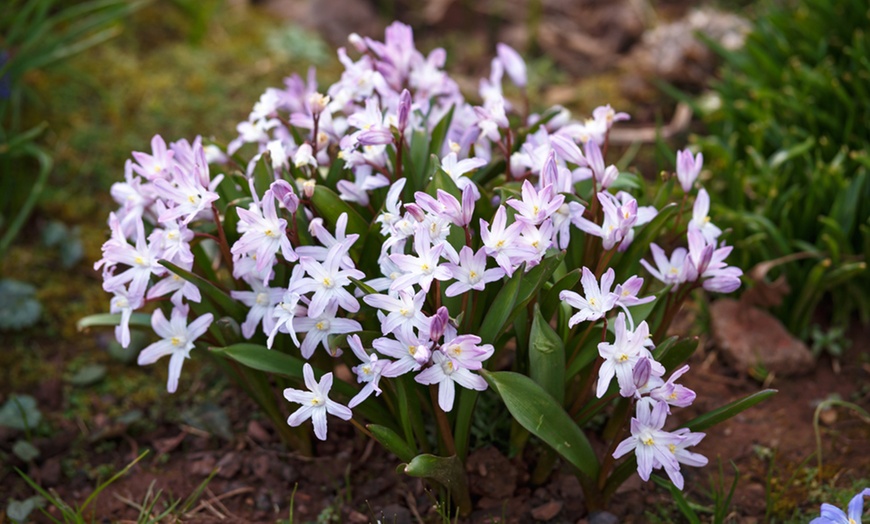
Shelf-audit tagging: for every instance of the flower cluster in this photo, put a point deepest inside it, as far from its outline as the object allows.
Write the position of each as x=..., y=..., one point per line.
x=351, y=226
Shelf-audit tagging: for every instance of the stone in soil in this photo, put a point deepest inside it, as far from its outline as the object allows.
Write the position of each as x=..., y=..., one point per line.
x=750, y=337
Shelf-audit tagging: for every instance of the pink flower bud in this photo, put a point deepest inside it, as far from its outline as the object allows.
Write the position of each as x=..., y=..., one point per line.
x=415, y=211
x=513, y=63
x=404, y=109
x=438, y=324
x=283, y=191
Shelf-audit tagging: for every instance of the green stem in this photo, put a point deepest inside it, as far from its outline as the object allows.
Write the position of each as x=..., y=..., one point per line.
x=45, y=164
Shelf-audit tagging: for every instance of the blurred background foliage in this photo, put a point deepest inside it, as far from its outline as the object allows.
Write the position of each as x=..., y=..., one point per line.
x=789, y=151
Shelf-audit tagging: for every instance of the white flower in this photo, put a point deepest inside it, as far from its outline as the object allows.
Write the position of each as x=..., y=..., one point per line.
x=471, y=272
x=597, y=300
x=262, y=300
x=444, y=372
x=621, y=356
x=315, y=402
x=701, y=218
x=369, y=371
x=177, y=340
x=404, y=312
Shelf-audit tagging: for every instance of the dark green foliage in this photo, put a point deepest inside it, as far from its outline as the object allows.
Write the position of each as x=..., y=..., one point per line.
x=789, y=153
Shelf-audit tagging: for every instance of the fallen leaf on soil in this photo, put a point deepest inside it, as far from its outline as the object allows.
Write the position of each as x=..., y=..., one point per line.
x=166, y=445
x=229, y=465
x=547, y=511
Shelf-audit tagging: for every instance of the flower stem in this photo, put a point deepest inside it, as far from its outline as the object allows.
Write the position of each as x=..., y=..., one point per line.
x=224, y=245
x=443, y=424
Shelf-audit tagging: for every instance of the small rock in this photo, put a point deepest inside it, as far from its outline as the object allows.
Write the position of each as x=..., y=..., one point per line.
x=229, y=465
x=828, y=416
x=603, y=517
x=547, y=511
x=263, y=501
x=355, y=517
x=750, y=337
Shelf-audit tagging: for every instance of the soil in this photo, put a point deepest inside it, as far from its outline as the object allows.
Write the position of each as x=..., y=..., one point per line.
x=352, y=480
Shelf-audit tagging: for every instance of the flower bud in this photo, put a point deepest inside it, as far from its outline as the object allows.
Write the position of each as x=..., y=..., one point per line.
x=308, y=187
x=357, y=42
x=513, y=63
x=641, y=373
x=438, y=323
x=415, y=211
x=278, y=154
x=404, y=109
x=283, y=191
x=317, y=103
x=422, y=354
x=304, y=156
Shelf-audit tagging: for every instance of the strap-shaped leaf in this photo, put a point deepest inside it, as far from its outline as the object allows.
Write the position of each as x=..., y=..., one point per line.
x=539, y=413
x=270, y=361
x=547, y=358
x=676, y=352
x=229, y=306
x=448, y=471
x=392, y=441
x=534, y=280
x=330, y=207
x=728, y=410
x=113, y=319
x=501, y=308
x=439, y=133
x=550, y=299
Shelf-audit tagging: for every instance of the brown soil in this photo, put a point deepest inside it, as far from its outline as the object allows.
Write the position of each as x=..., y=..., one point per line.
x=355, y=481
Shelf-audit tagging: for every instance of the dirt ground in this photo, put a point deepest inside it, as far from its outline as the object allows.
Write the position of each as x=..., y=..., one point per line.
x=352, y=480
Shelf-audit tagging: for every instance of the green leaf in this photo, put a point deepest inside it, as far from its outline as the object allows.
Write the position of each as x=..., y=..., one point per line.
x=500, y=309
x=18, y=511
x=88, y=375
x=539, y=413
x=142, y=320
x=229, y=306
x=25, y=450
x=728, y=410
x=679, y=499
x=20, y=412
x=393, y=442
x=447, y=471
x=535, y=279
x=547, y=358
x=19, y=306
x=439, y=133
x=272, y=361
x=675, y=352
x=550, y=299
x=329, y=206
